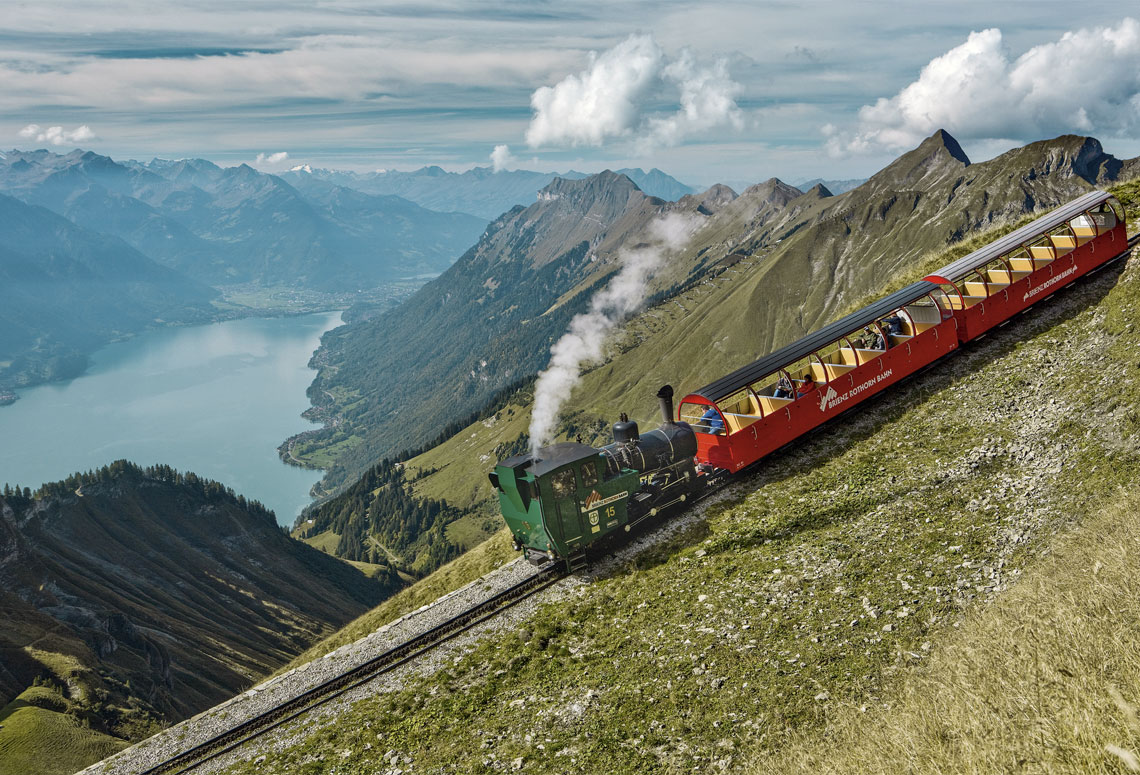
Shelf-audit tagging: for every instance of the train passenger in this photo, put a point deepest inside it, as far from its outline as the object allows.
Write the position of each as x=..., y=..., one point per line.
x=783, y=387
x=711, y=422
x=893, y=324
x=874, y=339
x=806, y=386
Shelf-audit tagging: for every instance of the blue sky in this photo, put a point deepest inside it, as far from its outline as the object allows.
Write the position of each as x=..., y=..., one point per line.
x=708, y=92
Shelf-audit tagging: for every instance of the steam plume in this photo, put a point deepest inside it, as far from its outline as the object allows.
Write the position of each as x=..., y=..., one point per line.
x=609, y=307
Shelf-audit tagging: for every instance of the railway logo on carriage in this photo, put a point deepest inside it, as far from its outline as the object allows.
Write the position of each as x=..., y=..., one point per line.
x=827, y=397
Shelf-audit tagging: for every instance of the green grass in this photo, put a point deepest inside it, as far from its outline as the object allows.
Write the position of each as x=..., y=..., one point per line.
x=829, y=577
x=1044, y=681
x=463, y=570
x=314, y=454
x=326, y=541
x=39, y=737
x=471, y=530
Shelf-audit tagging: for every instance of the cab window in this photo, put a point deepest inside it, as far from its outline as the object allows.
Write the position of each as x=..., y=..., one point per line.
x=563, y=483
x=589, y=475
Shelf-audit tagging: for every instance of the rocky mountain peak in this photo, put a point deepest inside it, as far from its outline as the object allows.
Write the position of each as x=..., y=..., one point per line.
x=938, y=156
x=606, y=184
x=818, y=191
x=772, y=191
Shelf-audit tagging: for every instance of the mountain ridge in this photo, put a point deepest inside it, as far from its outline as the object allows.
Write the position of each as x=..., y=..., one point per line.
x=480, y=191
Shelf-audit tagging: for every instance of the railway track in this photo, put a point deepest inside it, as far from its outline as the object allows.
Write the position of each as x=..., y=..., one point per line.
x=395, y=657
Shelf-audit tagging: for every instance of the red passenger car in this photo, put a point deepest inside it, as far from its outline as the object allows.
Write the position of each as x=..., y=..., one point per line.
x=993, y=284
x=759, y=408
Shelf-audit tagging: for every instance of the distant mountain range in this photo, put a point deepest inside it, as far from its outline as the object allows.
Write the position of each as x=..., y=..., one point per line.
x=834, y=186
x=238, y=225
x=92, y=249
x=488, y=321
x=480, y=191
x=66, y=290
x=133, y=598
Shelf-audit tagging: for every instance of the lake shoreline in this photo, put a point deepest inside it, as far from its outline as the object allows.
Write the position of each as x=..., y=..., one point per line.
x=214, y=399
x=238, y=302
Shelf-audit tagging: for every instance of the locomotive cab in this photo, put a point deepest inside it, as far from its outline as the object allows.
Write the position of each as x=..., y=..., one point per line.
x=562, y=499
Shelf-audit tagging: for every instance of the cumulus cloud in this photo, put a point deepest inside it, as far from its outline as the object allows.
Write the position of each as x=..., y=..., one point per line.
x=584, y=341
x=501, y=157
x=273, y=158
x=1086, y=82
x=57, y=135
x=609, y=99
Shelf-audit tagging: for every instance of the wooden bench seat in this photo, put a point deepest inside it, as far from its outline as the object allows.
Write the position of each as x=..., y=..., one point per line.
x=772, y=404
x=738, y=422
x=864, y=355
x=1025, y=264
x=1008, y=278
x=837, y=370
x=980, y=288
x=965, y=301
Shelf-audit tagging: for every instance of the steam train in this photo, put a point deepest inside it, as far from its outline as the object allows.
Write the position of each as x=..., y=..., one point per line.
x=569, y=497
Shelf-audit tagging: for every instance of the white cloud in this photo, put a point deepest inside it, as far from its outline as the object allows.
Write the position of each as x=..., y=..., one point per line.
x=708, y=99
x=57, y=135
x=1086, y=82
x=501, y=157
x=609, y=99
x=272, y=158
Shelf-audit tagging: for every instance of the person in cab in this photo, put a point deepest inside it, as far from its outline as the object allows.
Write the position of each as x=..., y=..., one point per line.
x=710, y=421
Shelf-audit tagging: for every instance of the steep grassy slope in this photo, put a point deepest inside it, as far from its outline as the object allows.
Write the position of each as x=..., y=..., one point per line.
x=1045, y=680
x=664, y=345
x=143, y=596
x=816, y=585
x=41, y=732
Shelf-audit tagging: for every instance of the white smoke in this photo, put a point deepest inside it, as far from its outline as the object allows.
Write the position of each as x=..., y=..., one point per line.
x=584, y=341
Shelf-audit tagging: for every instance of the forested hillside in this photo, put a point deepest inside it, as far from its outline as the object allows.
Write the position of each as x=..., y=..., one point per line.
x=133, y=598
x=394, y=381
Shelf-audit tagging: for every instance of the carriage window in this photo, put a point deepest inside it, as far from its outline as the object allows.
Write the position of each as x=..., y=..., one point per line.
x=589, y=475
x=563, y=483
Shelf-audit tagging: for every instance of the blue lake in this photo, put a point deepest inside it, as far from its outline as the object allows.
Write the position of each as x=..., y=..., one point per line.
x=214, y=399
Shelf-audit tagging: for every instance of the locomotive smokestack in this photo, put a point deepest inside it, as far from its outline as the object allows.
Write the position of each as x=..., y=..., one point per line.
x=665, y=396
